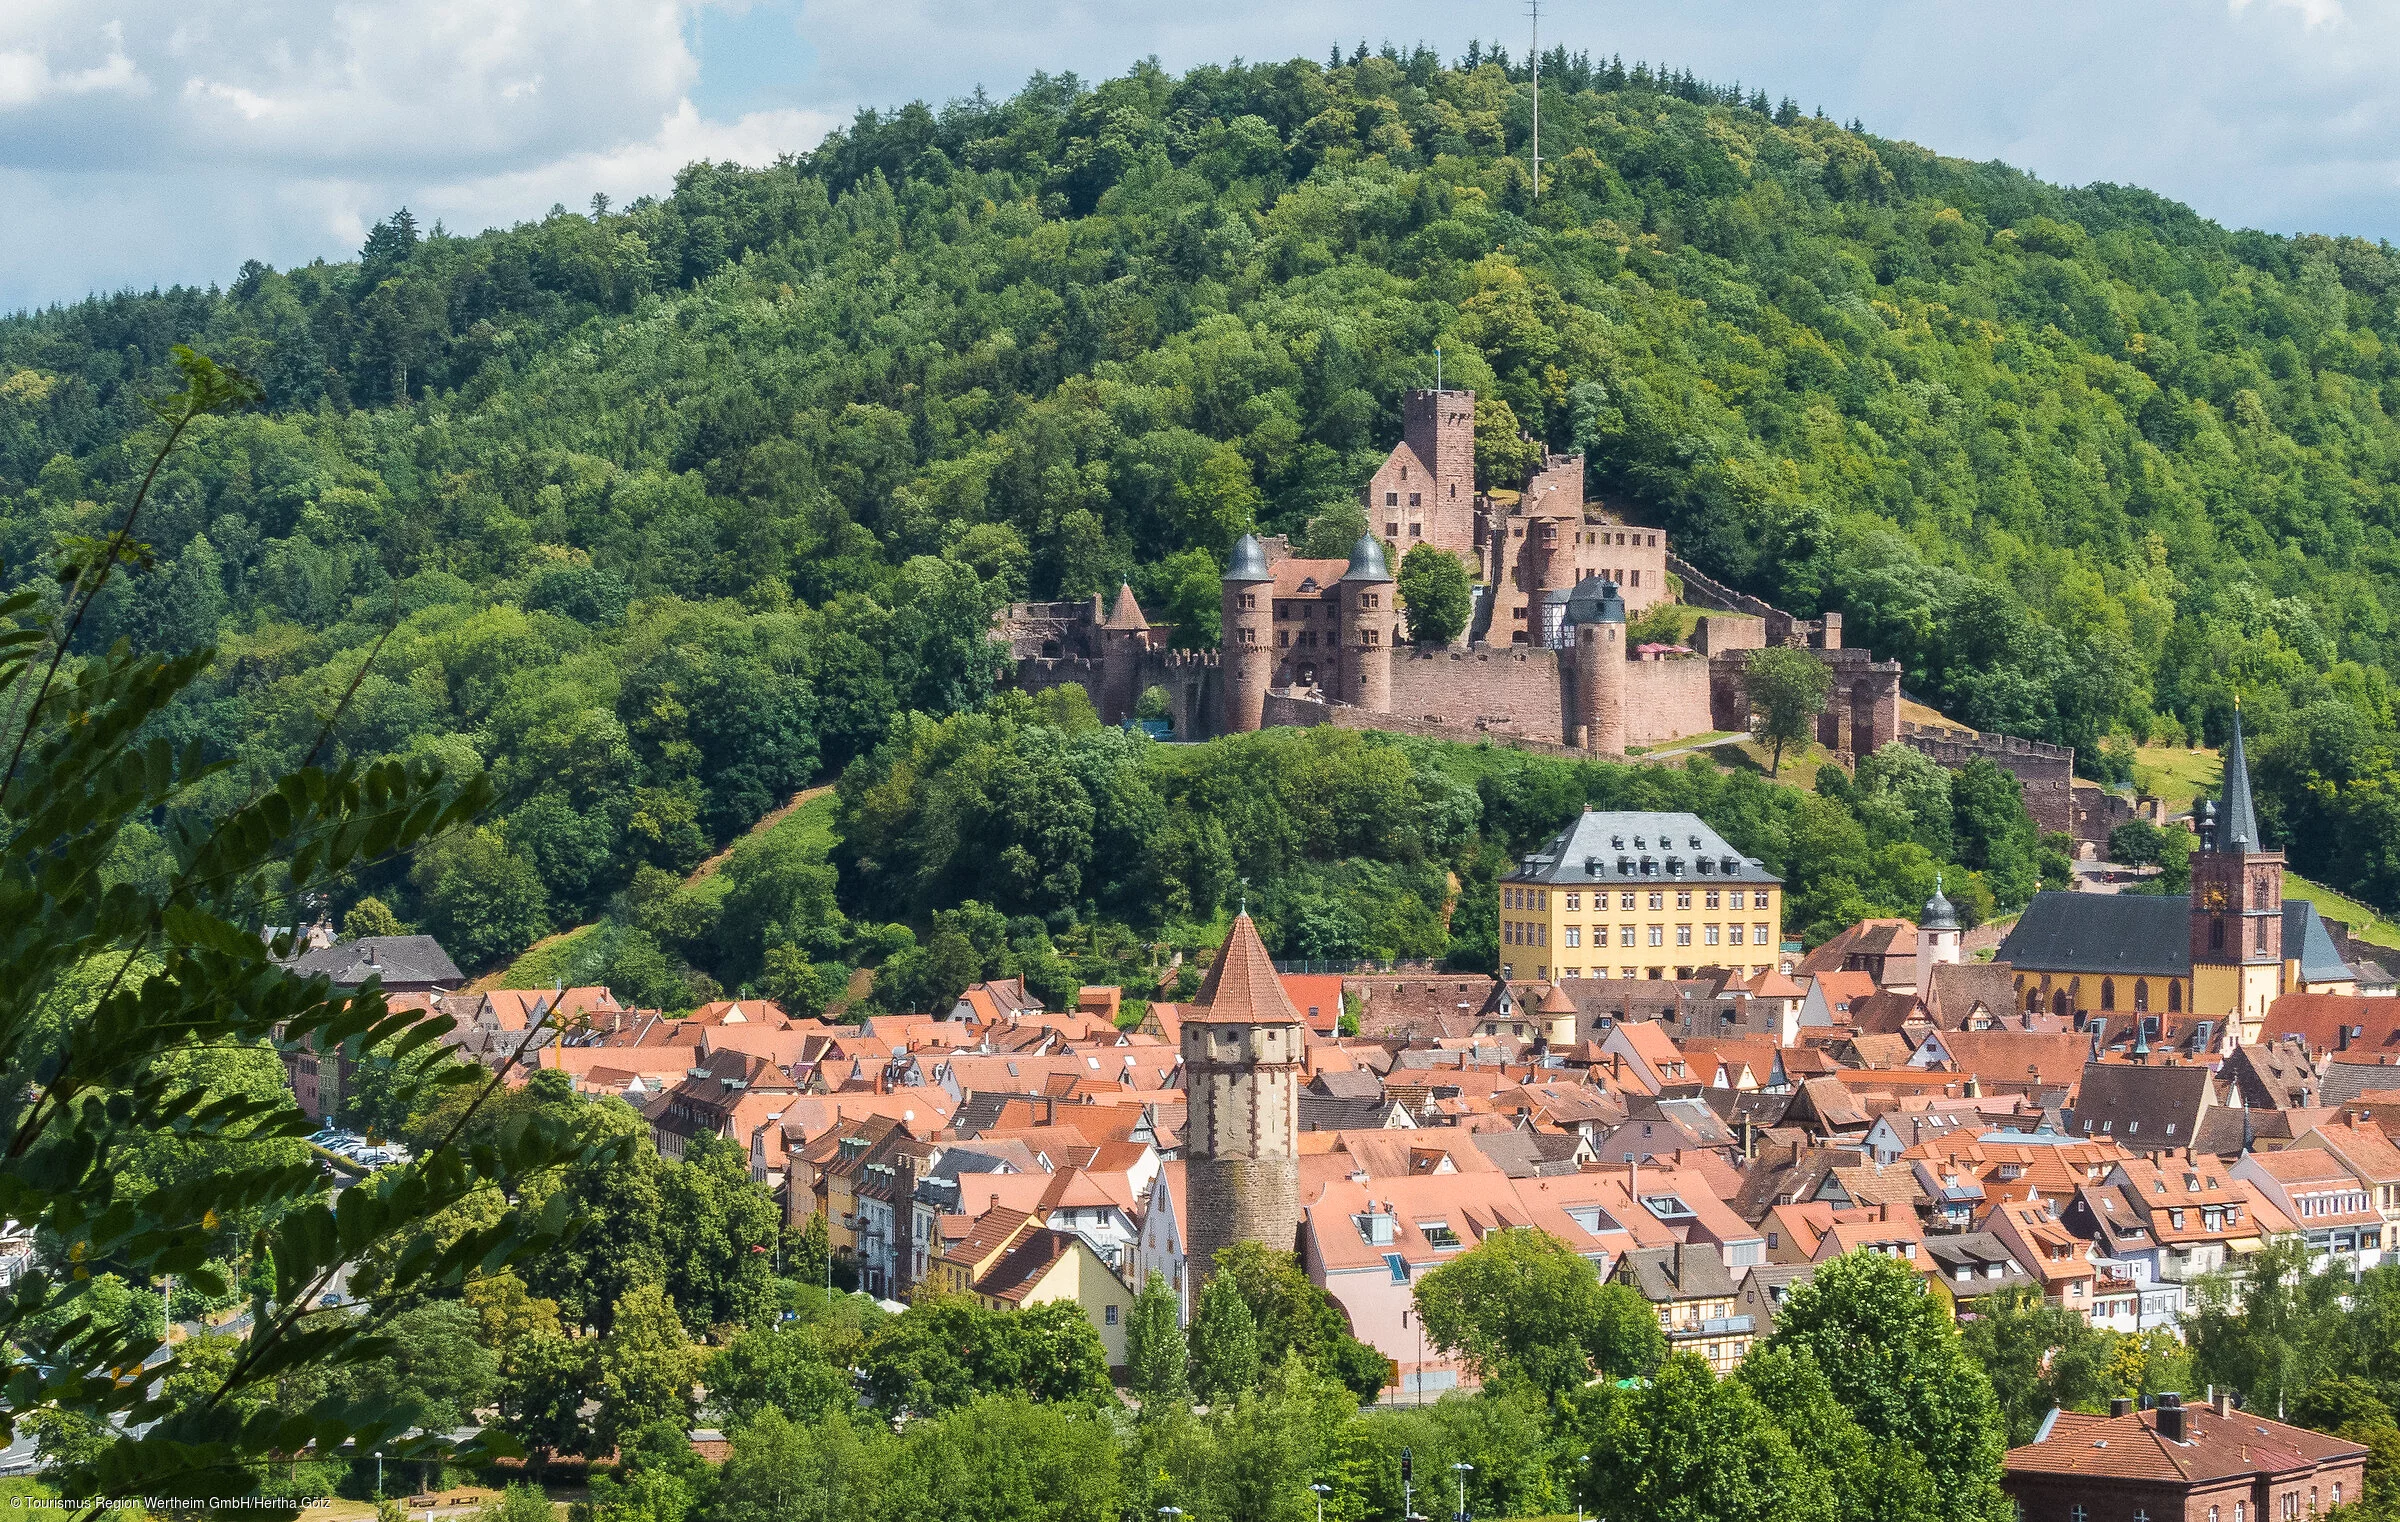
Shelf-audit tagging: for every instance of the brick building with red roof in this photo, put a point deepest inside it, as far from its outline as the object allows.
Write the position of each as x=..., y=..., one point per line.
x=2180, y=1463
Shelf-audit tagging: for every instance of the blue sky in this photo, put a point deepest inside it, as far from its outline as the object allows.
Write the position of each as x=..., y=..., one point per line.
x=147, y=141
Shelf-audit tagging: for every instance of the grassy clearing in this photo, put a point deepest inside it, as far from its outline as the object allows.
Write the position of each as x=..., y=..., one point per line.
x=2176, y=775
x=541, y=965
x=2365, y=923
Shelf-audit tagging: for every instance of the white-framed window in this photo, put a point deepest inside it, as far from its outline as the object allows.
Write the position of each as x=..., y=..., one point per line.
x=1683, y=935
x=1708, y=933
x=1625, y=938
x=1658, y=935
x=1574, y=935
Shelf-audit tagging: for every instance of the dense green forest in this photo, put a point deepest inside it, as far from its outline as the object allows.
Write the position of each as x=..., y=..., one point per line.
x=662, y=512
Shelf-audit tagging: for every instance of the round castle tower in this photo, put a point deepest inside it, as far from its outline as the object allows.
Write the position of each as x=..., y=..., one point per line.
x=1596, y=628
x=1249, y=619
x=1242, y=1047
x=1367, y=629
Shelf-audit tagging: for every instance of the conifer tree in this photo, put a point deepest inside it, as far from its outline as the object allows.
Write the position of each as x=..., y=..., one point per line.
x=1224, y=1341
x=1155, y=1352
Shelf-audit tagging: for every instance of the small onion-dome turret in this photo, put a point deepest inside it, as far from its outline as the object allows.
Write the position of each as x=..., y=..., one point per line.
x=1939, y=914
x=1249, y=561
x=1367, y=562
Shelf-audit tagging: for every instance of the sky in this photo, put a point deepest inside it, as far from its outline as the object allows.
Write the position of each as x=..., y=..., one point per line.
x=145, y=142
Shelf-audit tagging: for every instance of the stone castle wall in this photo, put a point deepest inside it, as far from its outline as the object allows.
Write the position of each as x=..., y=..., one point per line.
x=2047, y=772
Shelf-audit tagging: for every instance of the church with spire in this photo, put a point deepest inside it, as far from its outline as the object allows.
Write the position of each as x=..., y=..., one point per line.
x=2217, y=956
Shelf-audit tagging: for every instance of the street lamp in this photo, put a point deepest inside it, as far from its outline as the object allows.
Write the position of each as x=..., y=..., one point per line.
x=1462, y=1469
x=1170, y=1511
x=378, y=1474
x=1321, y=1488
x=1580, y=1459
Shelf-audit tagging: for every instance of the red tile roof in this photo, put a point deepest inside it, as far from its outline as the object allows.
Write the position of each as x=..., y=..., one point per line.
x=1243, y=986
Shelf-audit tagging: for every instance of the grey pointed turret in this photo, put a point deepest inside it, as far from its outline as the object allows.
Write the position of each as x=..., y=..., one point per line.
x=1249, y=561
x=1367, y=561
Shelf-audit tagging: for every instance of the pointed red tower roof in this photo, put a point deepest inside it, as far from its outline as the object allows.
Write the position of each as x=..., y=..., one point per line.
x=1127, y=614
x=1243, y=986
x=1556, y=1002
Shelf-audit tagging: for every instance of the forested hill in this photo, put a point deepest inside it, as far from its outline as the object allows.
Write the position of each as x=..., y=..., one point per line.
x=677, y=504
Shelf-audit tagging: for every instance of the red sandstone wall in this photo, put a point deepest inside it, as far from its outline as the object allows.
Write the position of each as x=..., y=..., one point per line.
x=1469, y=689
x=1666, y=700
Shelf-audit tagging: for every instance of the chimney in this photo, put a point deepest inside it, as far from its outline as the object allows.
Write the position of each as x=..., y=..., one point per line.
x=2223, y=1404
x=1633, y=1176
x=2170, y=1416
x=2121, y=1406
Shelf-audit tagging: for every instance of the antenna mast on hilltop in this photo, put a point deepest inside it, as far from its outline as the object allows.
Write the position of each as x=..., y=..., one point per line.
x=1535, y=10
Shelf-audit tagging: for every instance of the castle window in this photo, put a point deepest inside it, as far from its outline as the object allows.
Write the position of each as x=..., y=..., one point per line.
x=2174, y=998
x=2141, y=994
x=2108, y=993
x=1391, y=499
x=2262, y=935
x=1248, y=600
x=2216, y=933
x=1637, y=579
x=1249, y=636
x=1416, y=499
x=1416, y=531
x=1391, y=531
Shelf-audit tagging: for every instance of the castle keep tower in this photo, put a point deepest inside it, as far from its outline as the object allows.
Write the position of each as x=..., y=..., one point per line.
x=1595, y=626
x=1241, y=1077
x=1249, y=615
x=1425, y=491
x=2237, y=904
x=1367, y=627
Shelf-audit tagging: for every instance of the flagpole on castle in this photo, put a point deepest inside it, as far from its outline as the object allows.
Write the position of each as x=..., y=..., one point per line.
x=1537, y=97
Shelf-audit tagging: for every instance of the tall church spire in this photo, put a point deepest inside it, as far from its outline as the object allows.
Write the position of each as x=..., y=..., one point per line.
x=2237, y=824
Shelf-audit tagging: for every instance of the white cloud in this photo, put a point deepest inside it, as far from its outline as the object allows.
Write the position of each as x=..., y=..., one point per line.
x=146, y=141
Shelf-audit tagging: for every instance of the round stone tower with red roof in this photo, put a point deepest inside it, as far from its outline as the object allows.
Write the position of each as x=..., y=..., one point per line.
x=1242, y=1054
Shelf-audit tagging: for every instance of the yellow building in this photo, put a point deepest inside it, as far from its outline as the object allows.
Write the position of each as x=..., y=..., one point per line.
x=2223, y=952
x=1009, y=1263
x=1627, y=895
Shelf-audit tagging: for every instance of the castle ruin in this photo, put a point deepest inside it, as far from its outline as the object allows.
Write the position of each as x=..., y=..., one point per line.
x=1545, y=661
